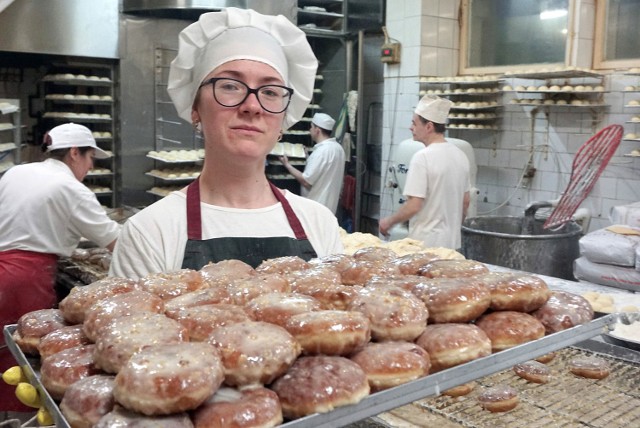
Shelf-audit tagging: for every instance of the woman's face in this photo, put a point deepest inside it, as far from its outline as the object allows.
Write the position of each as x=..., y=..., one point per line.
x=80, y=163
x=245, y=131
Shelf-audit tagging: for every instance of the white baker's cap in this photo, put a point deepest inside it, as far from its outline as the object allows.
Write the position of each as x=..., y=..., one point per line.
x=233, y=34
x=73, y=135
x=433, y=108
x=324, y=121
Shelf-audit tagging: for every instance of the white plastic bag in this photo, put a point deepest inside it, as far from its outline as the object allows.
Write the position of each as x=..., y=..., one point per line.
x=608, y=247
x=613, y=276
x=626, y=214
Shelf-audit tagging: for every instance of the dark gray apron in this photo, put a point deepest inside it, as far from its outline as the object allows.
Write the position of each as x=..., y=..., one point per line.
x=253, y=251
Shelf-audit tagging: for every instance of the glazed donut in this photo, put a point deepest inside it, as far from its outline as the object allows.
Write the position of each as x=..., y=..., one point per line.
x=499, y=398
x=277, y=308
x=79, y=299
x=60, y=370
x=410, y=264
x=546, y=358
x=460, y=390
x=394, y=314
x=317, y=276
x=125, y=336
x=533, y=371
x=281, y=265
x=375, y=254
x=507, y=329
x=452, y=268
x=172, y=284
x=254, y=352
x=390, y=364
x=123, y=418
x=564, y=310
x=329, y=332
x=169, y=378
x=224, y=272
x=453, y=300
x=244, y=290
x=590, y=367
x=406, y=282
x=449, y=345
x=35, y=324
x=337, y=262
x=256, y=407
x=319, y=384
x=106, y=310
x=63, y=338
x=515, y=291
x=361, y=271
x=204, y=296
x=87, y=400
x=200, y=321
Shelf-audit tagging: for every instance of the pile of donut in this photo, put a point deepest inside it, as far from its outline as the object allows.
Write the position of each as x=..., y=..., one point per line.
x=230, y=345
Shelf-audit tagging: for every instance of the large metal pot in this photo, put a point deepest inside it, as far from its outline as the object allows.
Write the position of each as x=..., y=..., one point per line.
x=521, y=243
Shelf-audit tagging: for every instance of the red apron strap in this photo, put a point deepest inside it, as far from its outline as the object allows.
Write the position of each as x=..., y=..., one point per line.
x=291, y=216
x=194, y=219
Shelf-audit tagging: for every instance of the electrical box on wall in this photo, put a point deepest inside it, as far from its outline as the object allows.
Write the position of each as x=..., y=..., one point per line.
x=390, y=53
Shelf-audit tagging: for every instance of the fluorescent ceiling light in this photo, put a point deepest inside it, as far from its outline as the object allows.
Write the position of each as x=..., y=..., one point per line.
x=555, y=13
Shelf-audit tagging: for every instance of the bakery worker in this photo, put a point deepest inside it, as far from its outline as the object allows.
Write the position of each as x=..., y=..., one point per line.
x=437, y=184
x=240, y=78
x=44, y=211
x=324, y=169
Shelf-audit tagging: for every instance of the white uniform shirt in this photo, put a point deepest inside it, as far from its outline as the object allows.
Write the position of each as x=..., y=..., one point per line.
x=325, y=171
x=439, y=173
x=45, y=209
x=154, y=239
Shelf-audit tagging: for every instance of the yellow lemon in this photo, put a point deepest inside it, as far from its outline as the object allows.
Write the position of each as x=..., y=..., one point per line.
x=13, y=375
x=28, y=394
x=44, y=417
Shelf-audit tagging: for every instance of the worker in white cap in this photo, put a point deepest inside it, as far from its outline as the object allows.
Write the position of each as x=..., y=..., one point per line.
x=240, y=78
x=324, y=169
x=45, y=210
x=438, y=181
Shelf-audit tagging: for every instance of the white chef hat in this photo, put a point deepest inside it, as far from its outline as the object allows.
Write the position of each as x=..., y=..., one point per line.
x=72, y=135
x=434, y=108
x=232, y=34
x=324, y=121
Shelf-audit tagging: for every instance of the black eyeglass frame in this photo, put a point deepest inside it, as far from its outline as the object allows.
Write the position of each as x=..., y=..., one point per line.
x=250, y=91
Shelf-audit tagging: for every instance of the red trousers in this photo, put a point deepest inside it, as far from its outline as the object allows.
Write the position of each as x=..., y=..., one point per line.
x=26, y=284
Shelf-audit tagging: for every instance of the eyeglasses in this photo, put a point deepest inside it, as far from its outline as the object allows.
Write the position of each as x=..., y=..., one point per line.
x=231, y=93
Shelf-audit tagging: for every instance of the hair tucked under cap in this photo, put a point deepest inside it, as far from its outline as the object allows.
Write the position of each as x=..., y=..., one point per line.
x=233, y=34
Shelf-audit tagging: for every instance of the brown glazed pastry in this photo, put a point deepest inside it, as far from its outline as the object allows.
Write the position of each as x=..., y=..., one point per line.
x=564, y=310
x=34, y=325
x=255, y=407
x=507, y=329
x=451, y=344
x=87, y=400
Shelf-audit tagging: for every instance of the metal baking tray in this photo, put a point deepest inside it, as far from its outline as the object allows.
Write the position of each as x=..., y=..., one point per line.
x=611, y=337
x=383, y=401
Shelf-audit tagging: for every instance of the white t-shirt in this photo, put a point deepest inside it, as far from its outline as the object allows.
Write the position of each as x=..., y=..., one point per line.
x=45, y=209
x=439, y=173
x=154, y=239
x=324, y=171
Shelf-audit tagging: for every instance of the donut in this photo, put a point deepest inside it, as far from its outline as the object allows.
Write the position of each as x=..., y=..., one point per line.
x=255, y=407
x=449, y=345
x=507, y=329
x=546, y=358
x=317, y=276
x=323, y=288
x=460, y=390
x=515, y=291
x=224, y=272
x=63, y=338
x=564, y=310
x=277, y=308
x=172, y=284
x=104, y=311
x=244, y=290
x=282, y=265
x=87, y=400
x=329, y=332
x=406, y=282
x=390, y=364
x=169, y=378
x=337, y=262
x=375, y=254
x=35, y=324
x=125, y=336
x=533, y=371
x=452, y=268
x=319, y=384
x=361, y=271
x=410, y=264
x=254, y=352
x=453, y=300
x=394, y=314
x=200, y=321
x=124, y=418
x=204, y=296
x=60, y=370
x=589, y=367
x=79, y=299
x=499, y=398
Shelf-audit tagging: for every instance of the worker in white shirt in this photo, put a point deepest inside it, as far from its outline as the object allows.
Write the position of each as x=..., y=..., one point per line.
x=322, y=178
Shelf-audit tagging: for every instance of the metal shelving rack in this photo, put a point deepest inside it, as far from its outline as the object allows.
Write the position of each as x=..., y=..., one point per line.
x=9, y=146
